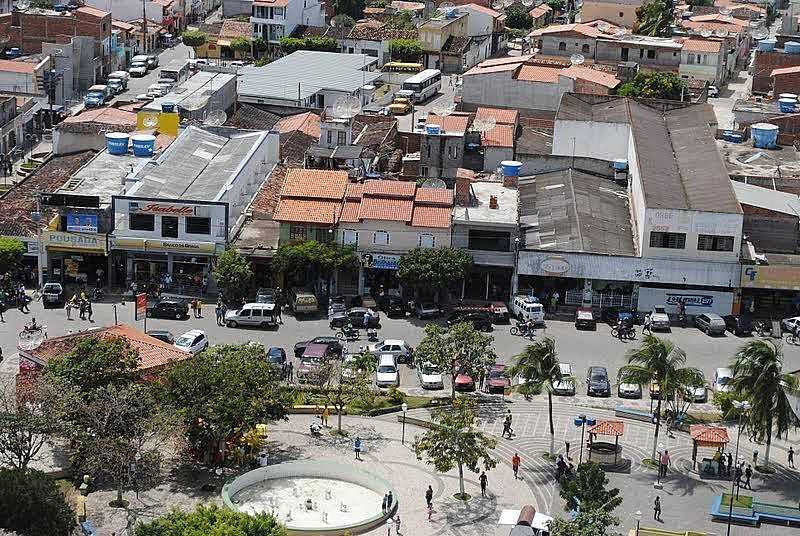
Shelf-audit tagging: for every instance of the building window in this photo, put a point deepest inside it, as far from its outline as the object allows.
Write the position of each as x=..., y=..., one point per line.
x=667, y=240
x=342, y=137
x=330, y=137
x=198, y=225
x=427, y=240
x=621, y=15
x=380, y=238
x=714, y=243
x=297, y=232
x=142, y=222
x=562, y=46
x=349, y=237
x=651, y=54
x=423, y=171
x=428, y=150
x=585, y=49
x=169, y=226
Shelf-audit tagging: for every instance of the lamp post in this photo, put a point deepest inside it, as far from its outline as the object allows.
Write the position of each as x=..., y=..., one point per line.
x=581, y=421
x=658, y=460
x=638, y=517
x=742, y=406
x=404, y=407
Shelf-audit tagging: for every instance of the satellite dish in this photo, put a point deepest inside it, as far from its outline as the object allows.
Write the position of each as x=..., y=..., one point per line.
x=527, y=3
x=447, y=5
x=216, y=119
x=484, y=124
x=727, y=18
x=705, y=32
x=725, y=10
x=435, y=183
x=576, y=59
x=603, y=26
x=620, y=33
x=150, y=121
x=497, y=5
x=444, y=109
x=721, y=33
x=760, y=34
x=22, y=5
x=346, y=107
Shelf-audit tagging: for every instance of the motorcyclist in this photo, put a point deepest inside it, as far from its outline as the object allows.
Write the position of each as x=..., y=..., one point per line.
x=620, y=329
x=530, y=327
x=32, y=326
x=561, y=466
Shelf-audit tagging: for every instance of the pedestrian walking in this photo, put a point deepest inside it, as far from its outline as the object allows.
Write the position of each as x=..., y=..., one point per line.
x=389, y=501
x=730, y=465
x=1, y=354
x=739, y=476
x=357, y=447
x=326, y=413
x=566, y=444
x=290, y=372
x=83, y=309
x=2, y=310
x=664, y=463
x=218, y=312
x=397, y=524
x=199, y=308
x=657, y=509
x=278, y=313
x=429, y=497
x=648, y=324
x=748, y=474
x=515, y=461
x=790, y=457
x=68, y=309
x=484, y=480
x=23, y=302
x=755, y=458
x=89, y=311
x=383, y=504
x=506, y=427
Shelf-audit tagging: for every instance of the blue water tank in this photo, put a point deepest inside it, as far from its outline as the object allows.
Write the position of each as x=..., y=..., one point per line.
x=117, y=142
x=167, y=107
x=765, y=135
x=450, y=13
x=143, y=144
x=432, y=130
x=620, y=164
x=791, y=47
x=787, y=106
x=767, y=45
x=510, y=168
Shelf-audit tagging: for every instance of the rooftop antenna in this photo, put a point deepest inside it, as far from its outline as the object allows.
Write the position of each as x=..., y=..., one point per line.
x=346, y=107
x=576, y=59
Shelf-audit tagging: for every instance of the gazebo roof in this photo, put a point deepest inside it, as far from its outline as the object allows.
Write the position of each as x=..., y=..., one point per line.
x=608, y=428
x=708, y=436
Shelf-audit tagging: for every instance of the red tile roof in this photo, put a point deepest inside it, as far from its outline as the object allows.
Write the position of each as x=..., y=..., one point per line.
x=708, y=436
x=109, y=116
x=435, y=196
x=350, y=211
x=720, y=18
x=307, y=122
x=498, y=65
x=449, y=123
x=383, y=208
x=153, y=353
x=540, y=10
x=432, y=216
x=701, y=45
x=307, y=210
x=263, y=206
x=232, y=28
x=315, y=183
x=501, y=116
x=539, y=73
x=499, y=136
x=354, y=191
x=785, y=70
x=271, y=3
x=608, y=428
x=591, y=75
x=17, y=66
x=387, y=188
x=99, y=13
x=486, y=10
x=123, y=25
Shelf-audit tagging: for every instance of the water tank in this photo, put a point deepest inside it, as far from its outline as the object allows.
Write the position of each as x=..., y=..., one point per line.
x=686, y=15
x=787, y=106
x=450, y=13
x=764, y=135
x=143, y=144
x=788, y=96
x=167, y=107
x=767, y=45
x=620, y=164
x=432, y=130
x=510, y=168
x=791, y=47
x=117, y=142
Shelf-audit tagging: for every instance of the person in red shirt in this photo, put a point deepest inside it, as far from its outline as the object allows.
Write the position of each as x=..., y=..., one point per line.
x=515, y=461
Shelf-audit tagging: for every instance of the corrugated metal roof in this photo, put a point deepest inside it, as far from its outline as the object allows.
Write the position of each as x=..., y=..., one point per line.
x=756, y=196
x=598, y=108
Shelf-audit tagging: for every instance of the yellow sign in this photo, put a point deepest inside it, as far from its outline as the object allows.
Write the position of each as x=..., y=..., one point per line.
x=778, y=276
x=151, y=244
x=90, y=243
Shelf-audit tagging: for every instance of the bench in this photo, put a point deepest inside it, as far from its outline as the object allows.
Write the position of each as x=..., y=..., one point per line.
x=633, y=414
x=88, y=528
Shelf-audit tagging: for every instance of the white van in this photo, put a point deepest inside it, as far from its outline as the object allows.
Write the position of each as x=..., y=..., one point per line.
x=252, y=314
x=723, y=380
x=527, y=308
x=156, y=90
x=387, y=375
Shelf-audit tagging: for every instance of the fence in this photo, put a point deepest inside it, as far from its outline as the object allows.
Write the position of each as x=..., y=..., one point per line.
x=599, y=299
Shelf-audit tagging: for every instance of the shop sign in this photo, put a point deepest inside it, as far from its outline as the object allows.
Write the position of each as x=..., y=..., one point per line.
x=31, y=247
x=61, y=240
x=81, y=223
x=690, y=300
x=141, y=306
x=555, y=265
x=147, y=244
x=380, y=261
x=161, y=208
x=777, y=276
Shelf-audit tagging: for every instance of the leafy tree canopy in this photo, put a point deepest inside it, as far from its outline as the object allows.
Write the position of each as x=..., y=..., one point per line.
x=260, y=44
x=11, y=252
x=241, y=45
x=323, y=44
x=433, y=268
x=351, y=8
x=344, y=21
x=408, y=50
x=402, y=20
x=32, y=504
x=211, y=521
x=594, y=523
x=519, y=18
x=654, y=18
x=588, y=489
x=556, y=5
x=310, y=255
x=654, y=86
x=194, y=38
x=233, y=274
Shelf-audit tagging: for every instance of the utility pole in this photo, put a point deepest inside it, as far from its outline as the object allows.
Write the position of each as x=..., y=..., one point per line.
x=144, y=26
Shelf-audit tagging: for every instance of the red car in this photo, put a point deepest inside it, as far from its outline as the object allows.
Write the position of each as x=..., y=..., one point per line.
x=463, y=381
x=498, y=379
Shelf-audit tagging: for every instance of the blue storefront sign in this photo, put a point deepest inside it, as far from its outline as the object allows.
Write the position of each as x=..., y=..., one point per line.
x=81, y=223
x=380, y=261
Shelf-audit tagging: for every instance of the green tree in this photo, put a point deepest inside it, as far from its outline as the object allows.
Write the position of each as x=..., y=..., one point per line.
x=28, y=419
x=538, y=366
x=654, y=86
x=194, y=39
x=556, y=5
x=655, y=18
x=588, y=490
x=223, y=393
x=11, y=252
x=32, y=504
x=348, y=381
x=433, y=268
x=408, y=50
x=343, y=21
x=233, y=274
x=211, y=520
x=660, y=361
x=242, y=45
x=322, y=44
x=594, y=523
x=259, y=45
x=518, y=17
x=351, y=8
x=310, y=259
x=758, y=376
x=459, y=349
x=402, y=20
x=453, y=441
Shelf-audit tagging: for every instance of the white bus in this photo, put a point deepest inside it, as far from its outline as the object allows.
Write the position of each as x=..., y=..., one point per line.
x=176, y=70
x=424, y=85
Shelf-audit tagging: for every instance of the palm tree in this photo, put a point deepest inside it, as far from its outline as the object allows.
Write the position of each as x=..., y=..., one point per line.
x=758, y=377
x=659, y=360
x=538, y=366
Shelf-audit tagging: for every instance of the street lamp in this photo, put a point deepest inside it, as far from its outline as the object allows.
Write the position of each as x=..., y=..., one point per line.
x=742, y=406
x=581, y=421
x=638, y=517
x=658, y=461
x=404, y=407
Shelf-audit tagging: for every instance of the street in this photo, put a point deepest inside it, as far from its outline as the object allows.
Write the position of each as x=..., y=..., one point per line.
x=137, y=86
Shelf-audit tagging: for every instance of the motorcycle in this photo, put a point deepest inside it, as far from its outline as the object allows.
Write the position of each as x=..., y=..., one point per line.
x=623, y=332
x=523, y=329
x=372, y=334
x=348, y=334
x=97, y=294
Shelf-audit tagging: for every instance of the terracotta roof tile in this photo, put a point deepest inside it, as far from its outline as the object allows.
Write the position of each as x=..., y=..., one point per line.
x=382, y=208
x=411, y=6
x=701, y=45
x=708, y=436
x=354, y=191
x=121, y=24
x=99, y=13
x=387, y=188
x=231, y=29
x=315, y=183
x=271, y=3
x=17, y=66
x=432, y=216
x=785, y=70
x=464, y=173
x=436, y=196
x=608, y=428
x=499, y=136
x=350, y=211
x=307, y=122
x=500, y=115
x=720, y=18
x=498, y=65
x=711, y=25
x=449, y=123
x=265, y=201
x=483, y=9
x=307, y=210
x=591, y=75
x=539, y=73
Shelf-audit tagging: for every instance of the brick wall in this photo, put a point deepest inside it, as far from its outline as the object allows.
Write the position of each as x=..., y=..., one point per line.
x=786, y=83
x=36, y=28
x=585, y=86
x=763, y=65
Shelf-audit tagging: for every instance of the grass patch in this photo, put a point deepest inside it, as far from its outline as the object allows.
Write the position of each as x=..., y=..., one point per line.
x=549, y=457
x=766, y=469
x=742, y=501
x=462, y=496
x=651, y=463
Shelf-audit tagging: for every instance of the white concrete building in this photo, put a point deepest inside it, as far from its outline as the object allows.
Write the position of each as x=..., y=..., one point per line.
x=275, y=19
x=703, y=59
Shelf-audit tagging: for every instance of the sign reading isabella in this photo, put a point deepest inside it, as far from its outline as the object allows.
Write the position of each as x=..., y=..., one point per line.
x=159, y=208
x=141, y=306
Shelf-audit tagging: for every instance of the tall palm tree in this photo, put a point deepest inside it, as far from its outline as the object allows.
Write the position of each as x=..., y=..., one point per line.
x=758, y=377
x=659, y=360
x=538, y=366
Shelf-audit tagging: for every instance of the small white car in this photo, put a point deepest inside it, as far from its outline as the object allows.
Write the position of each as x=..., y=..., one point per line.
x=696, y=394
x=567, y=384
x=659, y=319
x=137, y=69
x=401, y=351
x=429, y=376
x=723, y=380
x=193, y=341
x=427, y=310
x=387, y=374
x=629, y=390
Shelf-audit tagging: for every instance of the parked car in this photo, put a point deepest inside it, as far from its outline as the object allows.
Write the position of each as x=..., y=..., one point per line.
x=53, y=295
x=659, y=319
x=584, y=319
x=266, y=295
x=302, y=302
x=497, y=381
x=480, y=321
x=124, y=76
x=355, y=317
x=696, y=394
x=277, y=356
x=152, y=61
x=429, y=376
x=393, y=306
x=193, y=341
x=141, y=58
x=565, y=386
x=97, y=95
x=629, y=390
x=427, y=310
x=333, y=344
x=176, y=309
x=790, y=324
x=252, y=314
x=137, y=69
x=115, y=85
x=597, y=382
x=400, y=349
x=711, y=323
x=613, y=315
x=309, y=368
x=162, y=335
x=723, y=380
x=387, y=375
x=464, y=382
x=156, y=90
x=741, y=326
x=499, y=312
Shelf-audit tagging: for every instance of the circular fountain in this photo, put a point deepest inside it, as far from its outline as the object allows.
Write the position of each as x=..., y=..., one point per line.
x=312, y=497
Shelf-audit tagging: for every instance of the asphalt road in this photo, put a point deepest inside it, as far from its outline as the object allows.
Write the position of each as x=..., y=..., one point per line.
x=138, y=86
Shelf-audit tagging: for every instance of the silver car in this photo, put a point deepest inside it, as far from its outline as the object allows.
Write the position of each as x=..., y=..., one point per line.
x=398, y=348
x=711, y=323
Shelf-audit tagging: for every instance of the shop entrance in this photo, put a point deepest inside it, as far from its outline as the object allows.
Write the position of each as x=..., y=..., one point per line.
x=488, y=283
x=378, y=282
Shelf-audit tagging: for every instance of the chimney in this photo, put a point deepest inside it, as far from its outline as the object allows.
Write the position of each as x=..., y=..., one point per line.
x=493, y=201
x=510, y=171
x=463, y=190
x=510, y=181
